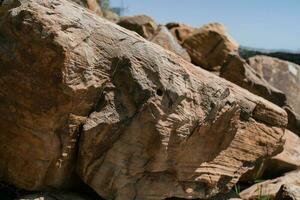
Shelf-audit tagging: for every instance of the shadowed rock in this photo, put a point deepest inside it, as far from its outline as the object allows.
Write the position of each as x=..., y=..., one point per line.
x=239, y=72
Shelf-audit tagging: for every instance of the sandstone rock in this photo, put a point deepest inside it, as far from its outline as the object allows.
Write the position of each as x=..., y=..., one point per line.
x=93, y=5
x=293, y=120
x=142, y=24
x=288, y=192
x=287, y=160
x=165, y=39
x=180, y=31
x=239, y=72
x=210, y=46
x=283, y=75
x=151, y=125
x=270, y=188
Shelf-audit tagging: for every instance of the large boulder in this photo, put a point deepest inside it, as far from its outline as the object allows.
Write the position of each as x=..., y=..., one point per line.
x=283, y=75
x=150, y=125
x=180, y=31
x=144, y=25
x=238, y=71
x=164, y=38
x=210, y=46
x=269, y=188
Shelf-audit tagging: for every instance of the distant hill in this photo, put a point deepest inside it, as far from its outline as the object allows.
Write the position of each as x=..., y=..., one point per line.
x=292, y=56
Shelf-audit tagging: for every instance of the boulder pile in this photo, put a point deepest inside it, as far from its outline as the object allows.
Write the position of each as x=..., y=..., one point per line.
x=142, y=111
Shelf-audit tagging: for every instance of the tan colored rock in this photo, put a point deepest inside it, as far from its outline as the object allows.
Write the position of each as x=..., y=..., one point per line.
x=111, y=16
x=145, y=26
x=287, y=160
x=210, y=46
x=92, y=5
x=293, y=120
x=283, y=75
x=151, y=125
x=270, y=188
x=164, y=38
x=288, y=192
x=180, y=31
x=239, y=72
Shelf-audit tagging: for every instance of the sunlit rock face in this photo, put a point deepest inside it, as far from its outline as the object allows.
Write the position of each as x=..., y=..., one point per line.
x=135, y=120
x=283, y=75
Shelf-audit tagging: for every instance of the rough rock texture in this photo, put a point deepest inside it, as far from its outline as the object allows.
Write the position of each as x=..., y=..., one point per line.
x=283, y=75
x=293, y=120
x=287, y=160
x=151, y=125
x=288, y=192
x=180, y=31
x=93, y=5
x=271, y=187
x=239, y=72
x=210, y=46
x=145, y=26
x=164, y=38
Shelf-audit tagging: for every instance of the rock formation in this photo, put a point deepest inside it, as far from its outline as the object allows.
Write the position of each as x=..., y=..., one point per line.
x=283, y=75
x=180, y=31
x=210, y=46
x=164, y=38
x=150, y=125
x=270, y=188
x=239, y=72
x=145, y=26
x=93, y=5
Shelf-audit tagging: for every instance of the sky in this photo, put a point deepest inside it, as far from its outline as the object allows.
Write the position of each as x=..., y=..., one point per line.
x=268, y=24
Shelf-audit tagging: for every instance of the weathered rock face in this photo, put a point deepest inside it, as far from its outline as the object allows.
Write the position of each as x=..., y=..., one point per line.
x=288, y=192
x=283, y=75
x=152, y=125
x=180, y=31
x=145, y=26
x=270, y=188
x=237, y=70
x=164, y=38
x=210, y=46
x=287, y=160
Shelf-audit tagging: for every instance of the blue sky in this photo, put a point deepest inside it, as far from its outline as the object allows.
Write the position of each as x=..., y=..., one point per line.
x=269, y=24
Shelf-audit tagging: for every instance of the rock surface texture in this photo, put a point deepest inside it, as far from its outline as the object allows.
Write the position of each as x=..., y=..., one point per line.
x=237, y=70
x=150, y=125
x=270, y=188
x=210, y=46
x=164, y=38
x=283, y=75
x=145, y=26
